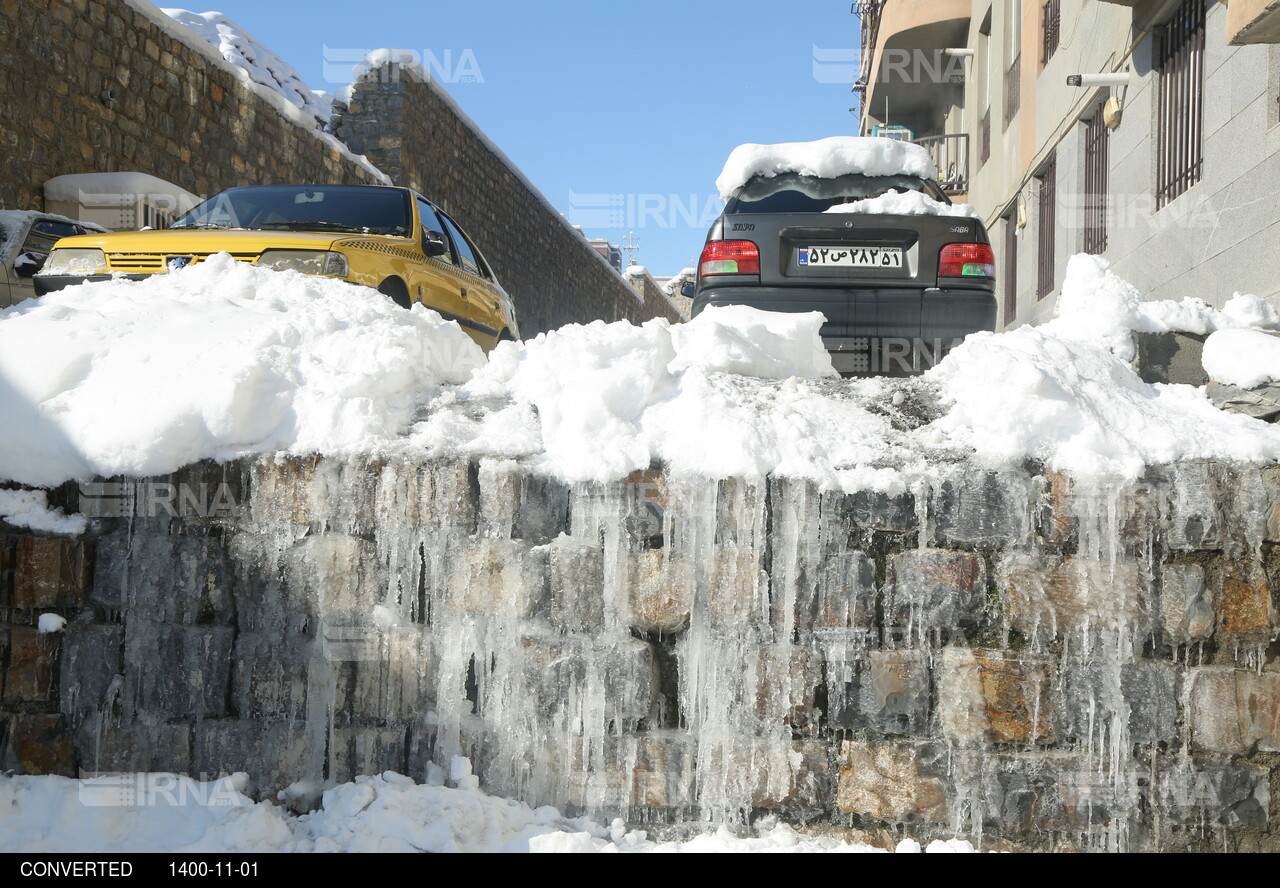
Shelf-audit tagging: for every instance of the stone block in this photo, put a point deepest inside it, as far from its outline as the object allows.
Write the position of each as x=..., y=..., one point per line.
x=1261, y=403
x=614, y=678
x=740, y=514
x=843, y=596
x=339, y=495
x=1198, y=492
x=983, y=509
x=1248, y=617
x=1098, y=699
x=50, y=573
x=338, y=577
x=165, y=578
x=885, y=782
x=1193, y=791
x=359, y=751
x=498, y=577
x=515, y=504
x=269, y=678
x=1235, y=711
x=785, y=678
x=737, y=588
x=663, y=773
x=28, y=664
x=992, y=697
x=1055, y=522
x=178, y=671
x=106, y=745
x=1171, y=358
x=885, y=692
x=658, y=591
x=878, y=512
x=1187, y=613
x=1023, y=794
x=90, y=669
x=36, y=744
x=275, y=754
x=1053, y=596
x=438, y=495
x=575, y=602
x=935, y=589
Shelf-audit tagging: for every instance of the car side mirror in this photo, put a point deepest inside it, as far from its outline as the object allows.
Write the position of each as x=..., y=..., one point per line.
x=433, y=244
x=29, y=264
x=689, y=290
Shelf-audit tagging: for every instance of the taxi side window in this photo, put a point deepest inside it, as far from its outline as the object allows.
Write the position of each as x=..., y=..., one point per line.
x=432, y=222
x=464, y=250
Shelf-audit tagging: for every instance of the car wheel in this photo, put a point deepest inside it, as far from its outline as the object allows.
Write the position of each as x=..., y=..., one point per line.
x=395, y=290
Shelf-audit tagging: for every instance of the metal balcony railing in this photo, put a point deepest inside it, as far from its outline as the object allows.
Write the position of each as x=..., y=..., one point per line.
x=951, y=156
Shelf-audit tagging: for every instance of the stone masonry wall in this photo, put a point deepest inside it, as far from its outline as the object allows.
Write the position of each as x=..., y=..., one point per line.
x=415, y=134
x=1006, y=656
x=176, y=114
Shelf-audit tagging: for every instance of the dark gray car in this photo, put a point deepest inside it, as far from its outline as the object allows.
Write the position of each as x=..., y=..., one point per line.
x=899, y=289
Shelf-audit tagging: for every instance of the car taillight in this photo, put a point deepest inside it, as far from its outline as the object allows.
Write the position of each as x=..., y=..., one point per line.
x=967, y=260
x=729, y=257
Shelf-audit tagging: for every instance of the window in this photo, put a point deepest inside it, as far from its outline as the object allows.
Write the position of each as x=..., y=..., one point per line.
x=466, y=253
x=1011, y=267
x=1179, y=58
x=1012, y=91
x=986, y=136
x=1047, y=220
x=45, y=233
x=1052, y=28
x=1096, y=137
x=432, y=222
x=794, y=193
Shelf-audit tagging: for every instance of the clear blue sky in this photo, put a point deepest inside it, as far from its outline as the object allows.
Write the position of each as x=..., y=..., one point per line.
x=641, y=101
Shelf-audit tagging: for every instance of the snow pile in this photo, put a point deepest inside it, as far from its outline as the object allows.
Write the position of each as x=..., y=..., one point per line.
x=909, y=203
x=1096, y=304
x=262, y=66
x=132, y=813
x=1243, y=358
x=826, y=159
x=734, y=392
x=749, y=342
x=1065, y=393
x=219, y=360
x=30, y=509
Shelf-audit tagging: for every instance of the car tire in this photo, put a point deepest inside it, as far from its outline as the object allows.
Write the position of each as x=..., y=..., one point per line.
x=395, y=290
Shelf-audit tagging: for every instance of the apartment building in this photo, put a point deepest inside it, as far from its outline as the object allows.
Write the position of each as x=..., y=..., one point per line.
x=1147, y=131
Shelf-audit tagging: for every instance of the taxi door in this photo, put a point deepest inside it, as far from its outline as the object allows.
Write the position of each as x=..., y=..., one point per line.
x=436, y=282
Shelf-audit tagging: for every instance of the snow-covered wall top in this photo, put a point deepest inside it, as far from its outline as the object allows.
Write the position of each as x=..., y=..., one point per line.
x=825, y=158
x=263, y=66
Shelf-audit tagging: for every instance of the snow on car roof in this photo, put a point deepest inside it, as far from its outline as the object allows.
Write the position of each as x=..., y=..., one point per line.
x=825, y=158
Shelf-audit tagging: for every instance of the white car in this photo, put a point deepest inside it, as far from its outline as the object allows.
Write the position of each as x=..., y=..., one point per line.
x=26, y=237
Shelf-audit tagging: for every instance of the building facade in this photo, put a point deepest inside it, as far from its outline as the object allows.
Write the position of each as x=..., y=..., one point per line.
x=1145, y=131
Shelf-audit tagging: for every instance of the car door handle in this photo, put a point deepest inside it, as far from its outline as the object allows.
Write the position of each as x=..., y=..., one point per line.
x=464, y=292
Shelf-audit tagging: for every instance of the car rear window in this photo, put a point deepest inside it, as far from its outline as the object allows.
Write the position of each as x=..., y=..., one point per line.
x=791, y=193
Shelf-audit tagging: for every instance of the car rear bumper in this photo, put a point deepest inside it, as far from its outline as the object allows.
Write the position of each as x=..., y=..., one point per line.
x=52, y=283
x=880, y=331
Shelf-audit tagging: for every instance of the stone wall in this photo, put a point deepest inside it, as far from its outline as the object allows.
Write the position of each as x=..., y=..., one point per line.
x=414, y=132
x=176, y=114
x=1005, y=656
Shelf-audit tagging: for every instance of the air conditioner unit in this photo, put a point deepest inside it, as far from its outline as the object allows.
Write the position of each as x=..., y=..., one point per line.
x=901, y=133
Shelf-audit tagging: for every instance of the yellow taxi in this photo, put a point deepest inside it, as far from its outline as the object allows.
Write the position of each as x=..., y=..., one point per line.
x=390, y=239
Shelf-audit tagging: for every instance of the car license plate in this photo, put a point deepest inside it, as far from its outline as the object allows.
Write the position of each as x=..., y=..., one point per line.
x=850, y=257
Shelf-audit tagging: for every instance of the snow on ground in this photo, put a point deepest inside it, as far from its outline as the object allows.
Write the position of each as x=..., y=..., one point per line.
x=141, y=378
x=910, y=203
x=263, y=66
x=825, y=158
x=123, y=813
